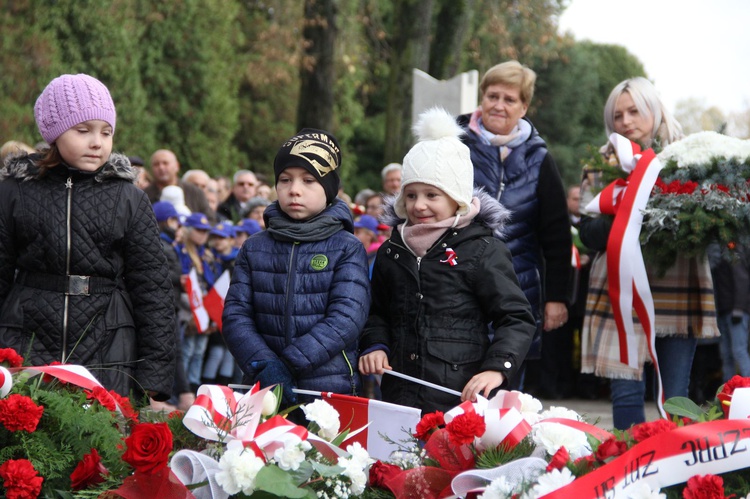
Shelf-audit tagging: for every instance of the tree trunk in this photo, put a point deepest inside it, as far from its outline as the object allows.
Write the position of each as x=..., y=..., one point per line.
x=451, y=33
x=411, y=49
x=317, y=75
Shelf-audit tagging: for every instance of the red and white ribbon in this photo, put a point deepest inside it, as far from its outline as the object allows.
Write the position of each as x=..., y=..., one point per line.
x=504, y=422
x=450, y=257
x=220, y=414
x=6, y=382
x=626, y=272
x=666, y=459
x=72, y=374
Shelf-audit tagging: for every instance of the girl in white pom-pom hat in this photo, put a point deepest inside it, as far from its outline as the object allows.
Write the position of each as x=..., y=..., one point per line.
x=446, y=304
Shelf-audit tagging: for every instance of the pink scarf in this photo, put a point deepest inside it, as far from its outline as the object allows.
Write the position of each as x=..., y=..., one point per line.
x=421, y=237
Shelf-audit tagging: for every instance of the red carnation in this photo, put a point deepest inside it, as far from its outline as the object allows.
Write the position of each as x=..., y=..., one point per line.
x=19, y=412
x=20, y=479
x=428, y=424
x=465, y=427
x=381, y=472
x=725, y=396
x=559, y=460
x=90, y=471
x=10, y=357
x=148, y=447
x=101, y=395
x=641, y=432
x=704, y=487
x=125, y=406
x=610, y=448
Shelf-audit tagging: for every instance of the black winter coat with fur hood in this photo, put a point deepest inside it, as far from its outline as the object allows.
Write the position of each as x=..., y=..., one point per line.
x=437, y=321
x=64, y=222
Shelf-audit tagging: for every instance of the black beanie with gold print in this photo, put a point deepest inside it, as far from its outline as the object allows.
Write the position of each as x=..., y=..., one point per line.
x=316, y=151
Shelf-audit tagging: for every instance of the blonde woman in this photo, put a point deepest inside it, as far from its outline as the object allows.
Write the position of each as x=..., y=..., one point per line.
x=683, y=296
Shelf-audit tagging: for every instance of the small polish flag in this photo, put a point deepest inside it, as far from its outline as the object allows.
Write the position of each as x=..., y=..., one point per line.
x=575, y=260
x=193, y=290
x=214, y=300
x=395, y=421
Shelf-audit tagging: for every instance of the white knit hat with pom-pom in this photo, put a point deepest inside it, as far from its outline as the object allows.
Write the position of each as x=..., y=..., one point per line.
x=439, y=159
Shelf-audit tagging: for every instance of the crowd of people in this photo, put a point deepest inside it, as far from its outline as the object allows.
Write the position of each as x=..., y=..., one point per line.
x=471, y=266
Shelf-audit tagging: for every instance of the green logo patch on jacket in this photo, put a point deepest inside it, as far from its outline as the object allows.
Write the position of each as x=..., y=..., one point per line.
x=319, y=262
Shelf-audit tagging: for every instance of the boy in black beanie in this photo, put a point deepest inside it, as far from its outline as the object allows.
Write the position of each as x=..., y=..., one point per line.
x=300, y=290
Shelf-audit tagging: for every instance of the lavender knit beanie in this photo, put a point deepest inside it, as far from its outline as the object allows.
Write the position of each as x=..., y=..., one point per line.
x=69, y=100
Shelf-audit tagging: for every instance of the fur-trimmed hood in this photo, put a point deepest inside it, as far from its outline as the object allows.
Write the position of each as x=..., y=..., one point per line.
x=25, y=168
x=491, y=214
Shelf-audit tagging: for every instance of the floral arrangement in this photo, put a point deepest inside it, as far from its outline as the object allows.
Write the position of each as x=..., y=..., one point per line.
x=263, y=453
x=558, y=455
x=702, y=196
x=62, y=435
x=58, y=437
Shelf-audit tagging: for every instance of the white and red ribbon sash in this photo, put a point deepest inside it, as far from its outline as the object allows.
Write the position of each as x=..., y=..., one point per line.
x=70, y=373
x=667, y=459
x=628, y=285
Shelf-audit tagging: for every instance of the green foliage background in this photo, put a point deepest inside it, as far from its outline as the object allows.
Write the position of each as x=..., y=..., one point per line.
x=217, y=81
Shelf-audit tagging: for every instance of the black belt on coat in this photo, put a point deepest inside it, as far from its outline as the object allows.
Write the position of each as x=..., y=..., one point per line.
x=79, y=285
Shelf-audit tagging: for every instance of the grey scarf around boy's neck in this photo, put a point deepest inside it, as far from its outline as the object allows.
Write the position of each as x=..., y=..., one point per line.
x=315, y=229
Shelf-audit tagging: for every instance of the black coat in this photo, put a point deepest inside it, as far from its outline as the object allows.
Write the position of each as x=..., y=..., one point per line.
x=123, y=331
x=436, y=319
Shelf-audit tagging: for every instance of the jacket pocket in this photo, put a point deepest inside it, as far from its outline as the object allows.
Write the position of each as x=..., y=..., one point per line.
x=455, y=351
x=119, y=312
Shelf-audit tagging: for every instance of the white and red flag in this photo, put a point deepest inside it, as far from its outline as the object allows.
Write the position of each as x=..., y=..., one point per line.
x=195, y=297
x=396, y=421
x=214, y=300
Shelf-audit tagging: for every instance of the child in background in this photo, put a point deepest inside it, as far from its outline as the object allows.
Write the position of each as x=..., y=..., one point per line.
x=194, y=254
x=169, y=227
x=441, y=279
x=300, y=294
x=366, y=230
x=245, y=229
x=83, y=279
x=219, y=364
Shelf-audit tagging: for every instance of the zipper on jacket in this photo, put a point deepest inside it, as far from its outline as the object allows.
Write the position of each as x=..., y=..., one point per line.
x=66, y=302
x=289, y=282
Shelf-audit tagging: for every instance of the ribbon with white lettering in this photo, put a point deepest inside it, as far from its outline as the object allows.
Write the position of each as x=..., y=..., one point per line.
x=667, y=459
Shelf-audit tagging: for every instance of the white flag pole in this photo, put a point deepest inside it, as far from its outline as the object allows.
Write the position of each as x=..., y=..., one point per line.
x=422, y=382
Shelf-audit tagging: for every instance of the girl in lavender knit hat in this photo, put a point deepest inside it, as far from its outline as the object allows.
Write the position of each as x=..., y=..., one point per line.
x=83, y=279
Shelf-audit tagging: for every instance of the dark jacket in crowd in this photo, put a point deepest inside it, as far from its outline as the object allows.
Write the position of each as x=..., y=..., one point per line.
x=98, y=225
x=231, y=209
x=432, y=318
x=731, y=274
x=302, y=300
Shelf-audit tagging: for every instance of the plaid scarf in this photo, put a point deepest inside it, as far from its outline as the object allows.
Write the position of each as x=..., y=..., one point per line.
x=684, y=306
